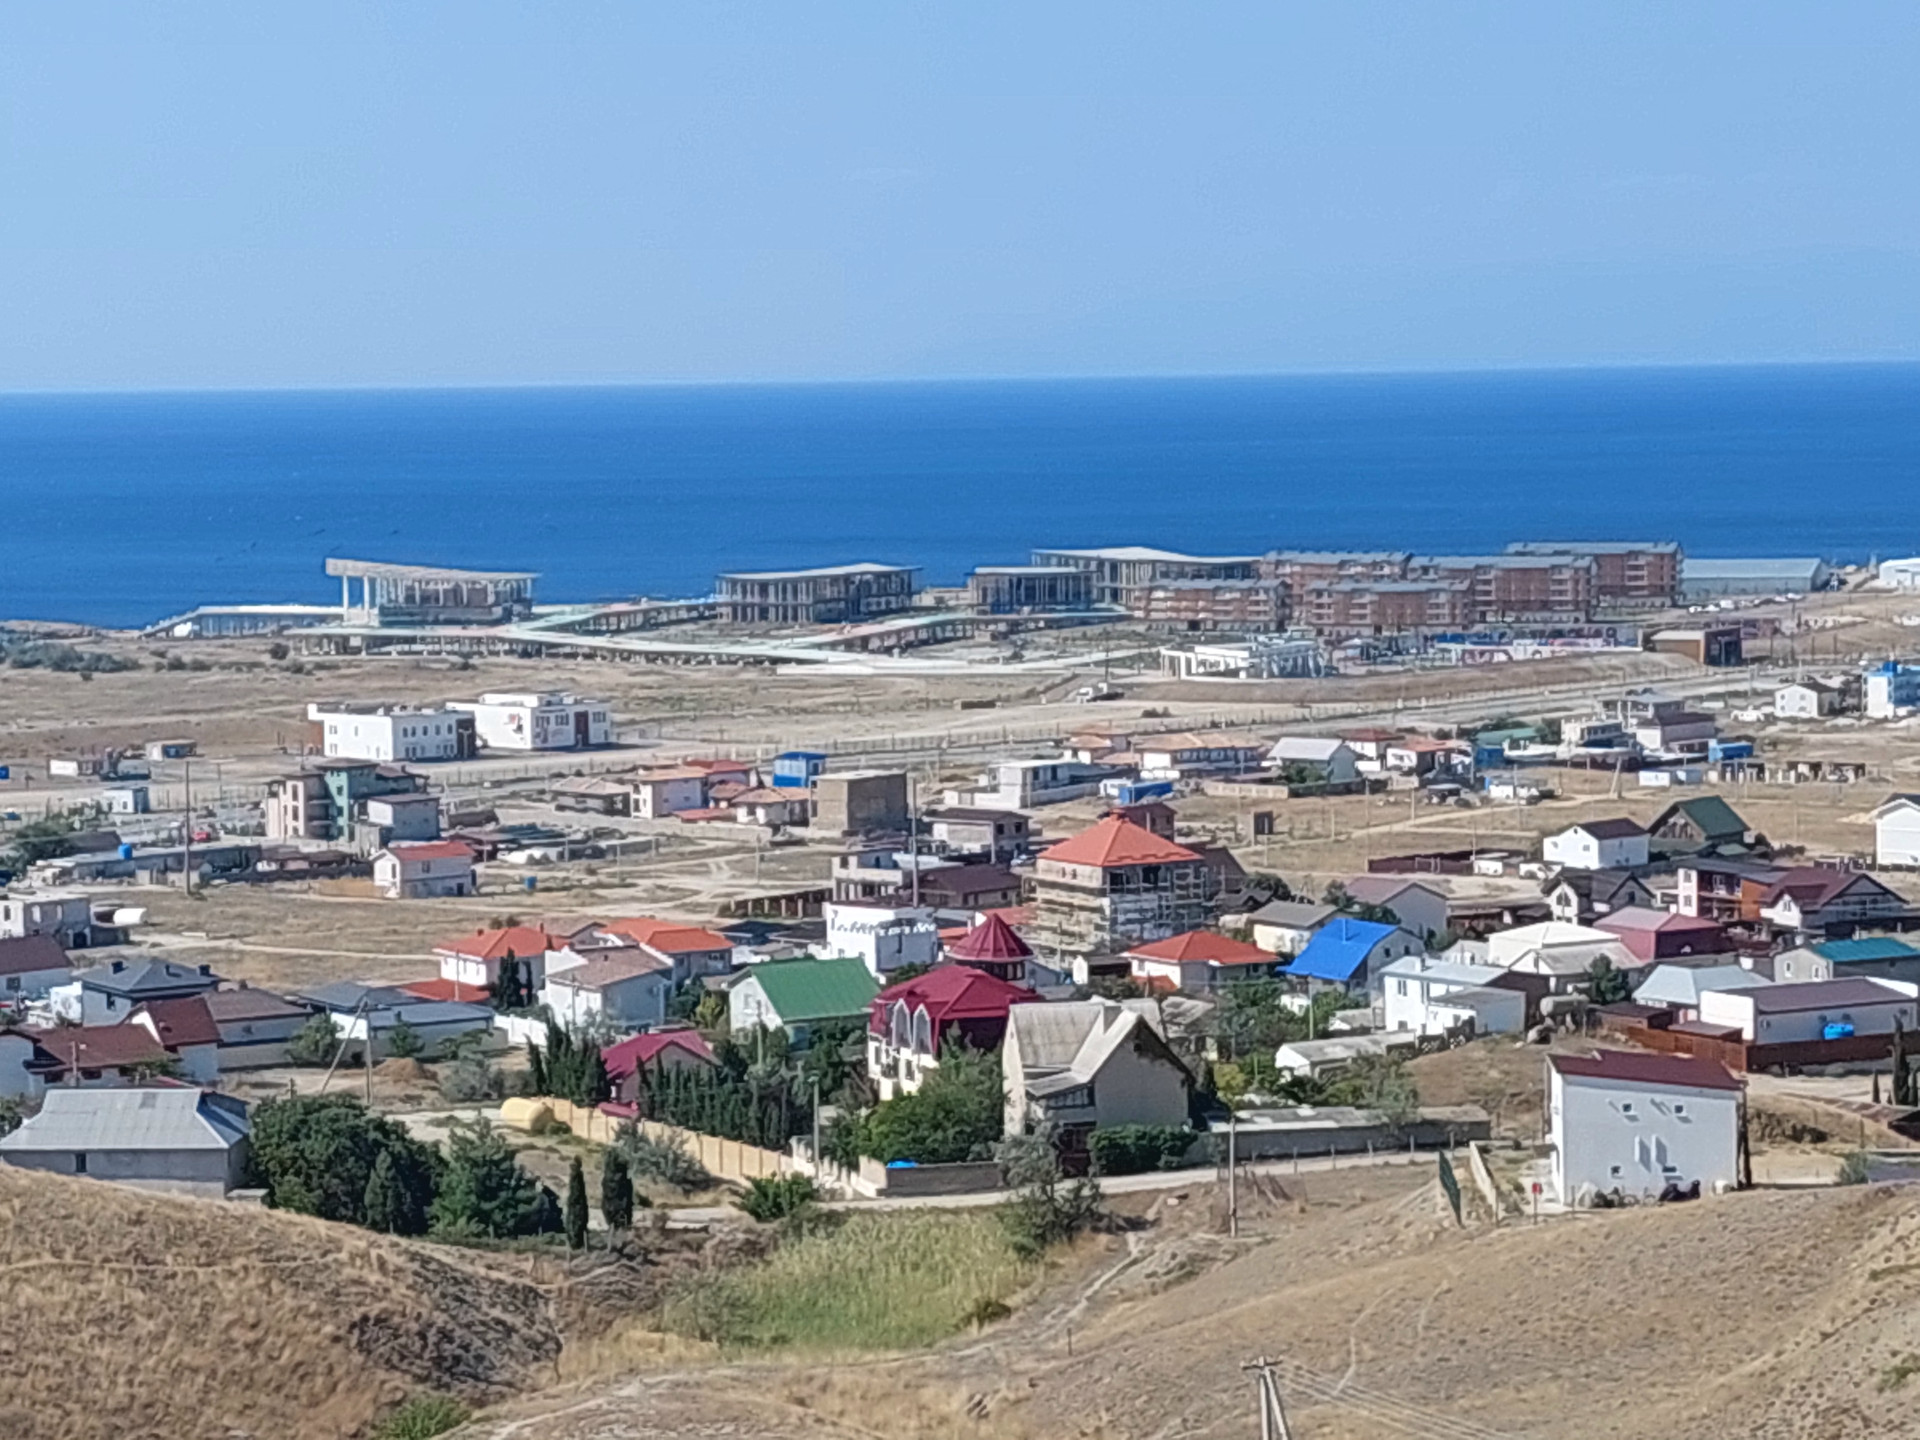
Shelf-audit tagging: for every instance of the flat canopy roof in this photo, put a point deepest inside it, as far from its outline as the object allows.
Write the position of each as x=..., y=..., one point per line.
x=381, y=570
x=864, y=567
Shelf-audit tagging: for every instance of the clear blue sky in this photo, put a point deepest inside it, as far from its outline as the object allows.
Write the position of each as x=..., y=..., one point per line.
x=323, y=194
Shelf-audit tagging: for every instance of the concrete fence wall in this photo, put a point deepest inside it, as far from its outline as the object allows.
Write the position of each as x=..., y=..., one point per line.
x=732, y=1160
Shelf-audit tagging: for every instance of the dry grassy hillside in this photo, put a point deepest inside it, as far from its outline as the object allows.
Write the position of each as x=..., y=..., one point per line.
x=1770, y=1315
x=126, y=1316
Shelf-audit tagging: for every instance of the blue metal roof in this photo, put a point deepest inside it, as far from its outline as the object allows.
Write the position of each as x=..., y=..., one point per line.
x=1339, y=950
x=1874, y=947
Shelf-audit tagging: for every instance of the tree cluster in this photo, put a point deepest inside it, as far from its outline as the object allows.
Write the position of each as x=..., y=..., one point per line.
x=957, y=1114
x=511, y=990
x=568, y=1067
x=326, y=1155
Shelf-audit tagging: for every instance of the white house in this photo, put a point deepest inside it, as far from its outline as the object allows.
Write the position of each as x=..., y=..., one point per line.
x=1617, y=844
x=1896, y=831
x=1816, y=1010
x=660, y=793
x=1806, y=700
x=1620, y=1120
x=419, y=870
x=1331, y=759
x=30, y=966
x=386, y=733
x=883, y=937
x=1898, y=575
x=1565, y=953
x=1024, y=784
x=1431, y=997
x=538, y=720
x=626, y=988
x=1892, y=689
x=1283, y=927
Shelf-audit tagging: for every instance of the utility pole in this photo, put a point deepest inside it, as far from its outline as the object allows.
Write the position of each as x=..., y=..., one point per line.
x=913, y=834
x=186, y=833
x=1233, y=1168
x=816, y=1127
x=1273, y=1414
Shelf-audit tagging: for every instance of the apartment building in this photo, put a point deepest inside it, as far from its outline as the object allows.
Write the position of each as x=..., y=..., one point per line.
x=1125, y=575
x=1349, y=609
x=828, y=595
x=1506, y=588
x=1627, y=574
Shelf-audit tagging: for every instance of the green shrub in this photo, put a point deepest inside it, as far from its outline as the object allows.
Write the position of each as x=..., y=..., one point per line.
x=314, y=1042
x=1135, y=1149
x=1853, y=1169
x=404, y=1042
x=667, y=1161
x=469, y=1079
x=956, y=1114
x=777, y=1197
x=422, y=1418
x=485, y=1194
x=1047, y=1209
x=320, y=1154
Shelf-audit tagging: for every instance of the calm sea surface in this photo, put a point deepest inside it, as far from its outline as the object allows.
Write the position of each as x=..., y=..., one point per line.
x=121, y=509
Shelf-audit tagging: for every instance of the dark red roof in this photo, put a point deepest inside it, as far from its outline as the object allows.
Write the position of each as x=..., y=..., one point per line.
x=430, y=850
x=99, y=1047
x=631, y=1054
x=1208, y=946
x=950, y=993
x=992, y=939
x=185, y=1021
x=1115, y=841
x=28, y=953
x=1636, y=1068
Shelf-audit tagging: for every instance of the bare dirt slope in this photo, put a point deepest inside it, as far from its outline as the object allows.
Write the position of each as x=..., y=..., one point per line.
x=128, y=1316
x=1773, y=1314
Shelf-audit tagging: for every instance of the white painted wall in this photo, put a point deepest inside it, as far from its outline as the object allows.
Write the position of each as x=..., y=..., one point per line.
x=1896, y=837
x=1792, y=1027
x=1637, y=1137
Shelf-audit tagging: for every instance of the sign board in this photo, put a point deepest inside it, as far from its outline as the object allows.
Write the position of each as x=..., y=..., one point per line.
x=1451, y=1184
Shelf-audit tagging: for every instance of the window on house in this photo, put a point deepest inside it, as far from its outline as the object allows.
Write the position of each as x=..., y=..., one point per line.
x=79, y=1162
x=1626, y=1107
x=1679, y=1108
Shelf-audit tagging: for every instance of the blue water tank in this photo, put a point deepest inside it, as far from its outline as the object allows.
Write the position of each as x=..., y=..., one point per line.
x=529, y=882
x=1837, y=1031
x=126, y=851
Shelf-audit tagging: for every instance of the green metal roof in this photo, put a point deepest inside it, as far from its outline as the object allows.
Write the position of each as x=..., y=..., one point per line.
x=1714, y=817
x=1872, y=947
x=802, y=990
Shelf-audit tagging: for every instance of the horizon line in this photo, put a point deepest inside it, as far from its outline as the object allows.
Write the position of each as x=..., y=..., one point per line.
x=904, y=381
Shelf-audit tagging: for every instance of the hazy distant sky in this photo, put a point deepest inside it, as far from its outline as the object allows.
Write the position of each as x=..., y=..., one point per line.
x=393, y=193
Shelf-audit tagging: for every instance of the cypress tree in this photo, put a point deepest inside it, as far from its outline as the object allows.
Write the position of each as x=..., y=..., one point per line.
x=616, y=1191
x=576, y=1211
x=385, y=1200
x=537, y=1068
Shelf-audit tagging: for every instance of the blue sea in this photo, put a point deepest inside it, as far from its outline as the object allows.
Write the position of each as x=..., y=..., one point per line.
x=120, y=509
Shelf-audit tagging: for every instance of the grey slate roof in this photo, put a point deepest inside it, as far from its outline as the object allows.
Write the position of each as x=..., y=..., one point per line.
x=138, y=978
x=172, y=1118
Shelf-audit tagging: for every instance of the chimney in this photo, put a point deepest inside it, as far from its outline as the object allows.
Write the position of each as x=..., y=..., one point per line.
x=118, y=966
x=206, y=970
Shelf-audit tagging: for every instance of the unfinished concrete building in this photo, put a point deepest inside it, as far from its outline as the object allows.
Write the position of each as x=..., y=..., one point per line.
x=1116, y=884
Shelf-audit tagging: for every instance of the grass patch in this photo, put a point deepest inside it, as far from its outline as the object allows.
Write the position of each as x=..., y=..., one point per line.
x=1898, y=1373
x=873, y=1282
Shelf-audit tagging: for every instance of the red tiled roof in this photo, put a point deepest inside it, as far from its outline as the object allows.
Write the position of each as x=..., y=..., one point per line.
x=666, y=936
x=185, y=1021
x=430, y=850
x=1204, y=945
x=438, y=989
x=1641, y=917
x=1113, y=842
x=992, y=939
x=950, y=993
x=1813, y=883
x=1635, y=1068
x=713, y=767
x=637, y=1050
x=522, y=940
